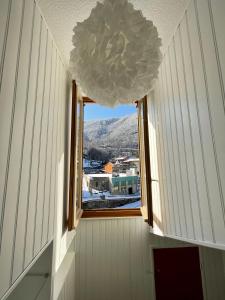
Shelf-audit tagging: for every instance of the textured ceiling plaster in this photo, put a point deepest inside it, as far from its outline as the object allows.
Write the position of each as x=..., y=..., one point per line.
x=62, y=16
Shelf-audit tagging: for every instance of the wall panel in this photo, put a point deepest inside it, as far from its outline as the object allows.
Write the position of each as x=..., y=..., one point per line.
x=9, y=92
x=112, y=259
x=170, y=201
x=18, y=259
x=68, y=289
x=53, y=159
x=31, y=108
x=49, y=152
x=216, y=98
x=216, y=12
x=9, y=75
x=190, y=101
x=42, y=148
x=4, y=25
x=16, y=147
x=181, y=155
x=208, y=171
x=197, y=169
x=212, y=273
x=36, y=145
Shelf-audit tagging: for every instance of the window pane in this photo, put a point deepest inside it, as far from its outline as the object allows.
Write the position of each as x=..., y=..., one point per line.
x=110, y=157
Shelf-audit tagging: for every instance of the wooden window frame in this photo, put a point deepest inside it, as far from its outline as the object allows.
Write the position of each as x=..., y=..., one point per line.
x=111, y=212
x=108, y=212
x=75, y=211
x=79, y=161
x=72, y=157
x=75, y=215
x=147, y=205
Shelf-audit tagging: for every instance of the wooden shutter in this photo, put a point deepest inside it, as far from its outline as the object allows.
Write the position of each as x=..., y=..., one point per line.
x=76, y=145
x=79, y=160
x=145, y=167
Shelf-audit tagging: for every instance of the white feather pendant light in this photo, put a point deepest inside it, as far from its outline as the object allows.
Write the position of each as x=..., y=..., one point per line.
x=116, y=53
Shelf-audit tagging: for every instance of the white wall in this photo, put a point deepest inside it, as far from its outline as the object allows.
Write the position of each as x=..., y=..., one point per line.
x=212, y=273
x=211, y=261
x=65, y=284
x=36, y=285
x=189, y=100
x=113, y=259
x=33, y=93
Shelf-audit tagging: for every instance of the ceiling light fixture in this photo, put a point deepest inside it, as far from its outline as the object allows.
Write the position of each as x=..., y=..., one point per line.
x=116, y=53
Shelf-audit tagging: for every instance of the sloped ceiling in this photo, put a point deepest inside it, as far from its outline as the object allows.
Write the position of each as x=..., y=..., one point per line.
x=62, y=16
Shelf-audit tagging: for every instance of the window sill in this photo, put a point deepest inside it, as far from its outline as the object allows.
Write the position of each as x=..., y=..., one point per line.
x=107, y=213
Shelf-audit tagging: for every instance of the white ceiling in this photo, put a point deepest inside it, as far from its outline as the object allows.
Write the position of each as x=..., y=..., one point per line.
x=62, y=16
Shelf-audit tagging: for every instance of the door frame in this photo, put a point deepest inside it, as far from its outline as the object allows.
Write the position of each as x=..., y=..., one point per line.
x=176, y=245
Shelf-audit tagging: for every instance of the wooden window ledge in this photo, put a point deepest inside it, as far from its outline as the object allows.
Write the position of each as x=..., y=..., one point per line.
x=104, y=213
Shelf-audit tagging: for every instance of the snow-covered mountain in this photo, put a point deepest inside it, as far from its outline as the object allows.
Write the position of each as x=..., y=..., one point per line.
x=112, y=133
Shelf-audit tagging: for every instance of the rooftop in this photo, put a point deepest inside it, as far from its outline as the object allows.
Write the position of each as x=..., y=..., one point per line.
x=132, y=159
x=102, y=175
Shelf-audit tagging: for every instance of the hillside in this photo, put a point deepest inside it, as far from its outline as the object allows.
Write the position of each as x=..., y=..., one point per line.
x=116, y=134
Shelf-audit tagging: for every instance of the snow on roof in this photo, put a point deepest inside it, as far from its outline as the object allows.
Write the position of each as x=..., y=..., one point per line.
x=99, y=175
x=120, y=158
x=122, y=175
x=132, y=159
x=136, y=204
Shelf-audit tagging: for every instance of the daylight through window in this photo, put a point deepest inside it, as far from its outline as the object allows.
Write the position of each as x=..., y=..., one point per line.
x=111, y=169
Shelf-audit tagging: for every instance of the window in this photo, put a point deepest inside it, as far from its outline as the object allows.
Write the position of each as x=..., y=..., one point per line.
x=106, y=177
x=111, y=157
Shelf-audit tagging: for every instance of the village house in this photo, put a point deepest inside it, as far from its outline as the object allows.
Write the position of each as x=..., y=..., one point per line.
x=108, y=168
x=124, y=185
x=98, y=182
x=115, y=185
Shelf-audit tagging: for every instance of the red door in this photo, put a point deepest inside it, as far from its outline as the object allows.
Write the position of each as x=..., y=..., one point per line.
x=177, y=274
